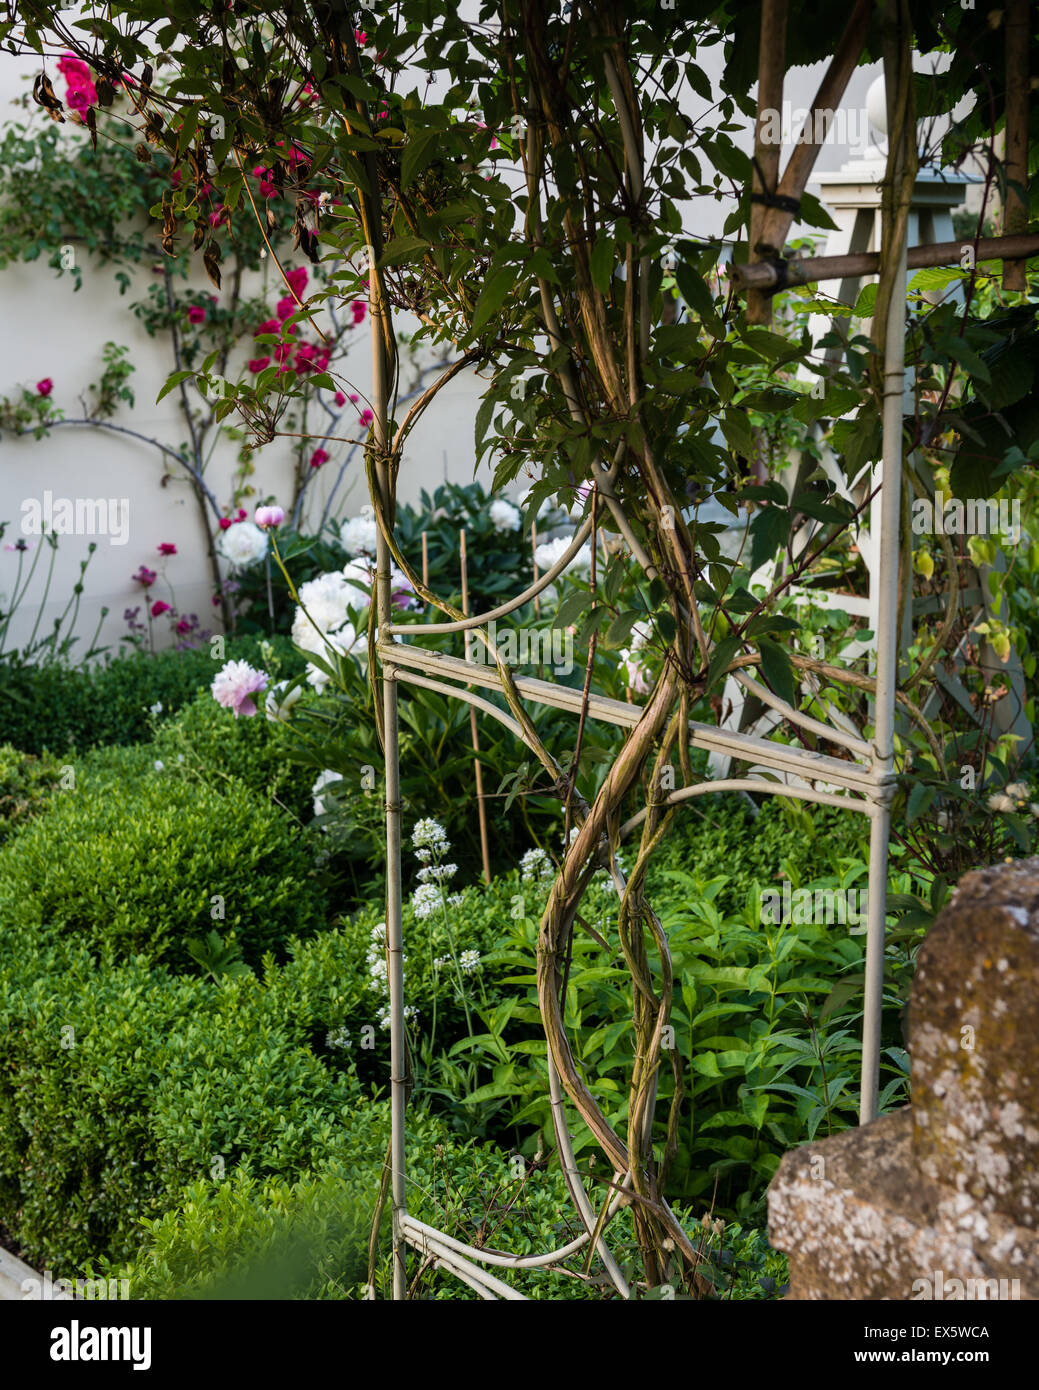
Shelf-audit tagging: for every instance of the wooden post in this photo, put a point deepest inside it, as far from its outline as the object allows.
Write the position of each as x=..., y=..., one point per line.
x=425, y=561
x=771, y=68
x=1015, y=204
x=481, y=809
x=533, y=552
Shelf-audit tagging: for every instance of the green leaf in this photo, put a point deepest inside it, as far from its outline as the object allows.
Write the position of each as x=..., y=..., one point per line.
x=172, y=383
x=777, y=670
x=920, y=799
x=601, y=264
x=418, y=155
x=492, y=296
x=720, y=659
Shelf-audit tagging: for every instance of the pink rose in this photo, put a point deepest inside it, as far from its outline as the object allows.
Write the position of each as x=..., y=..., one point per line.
x=45, y=387
x=145, y=576
x=340, y=398
x=298, y=280
x=167, y=548
x=225, y=523
x=366, y=417
x=257, y=364
x=159, y=607
x=268, y=326
x=358, y=309
x=286, y=307
x=319, y=457
x=196, y=314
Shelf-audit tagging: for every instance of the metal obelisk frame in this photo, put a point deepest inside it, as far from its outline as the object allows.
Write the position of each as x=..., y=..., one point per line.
x=863, y=783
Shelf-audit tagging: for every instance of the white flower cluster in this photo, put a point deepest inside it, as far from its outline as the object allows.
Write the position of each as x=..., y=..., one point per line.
x=536, y=865
x=338, y=1037
x=382, y=1014
x=504, y=515
x=323, y=780
x=437, y=873
x=468, y=961
x=429, y=838
x=1014, y=797
x=425, y=900
x=375, y=959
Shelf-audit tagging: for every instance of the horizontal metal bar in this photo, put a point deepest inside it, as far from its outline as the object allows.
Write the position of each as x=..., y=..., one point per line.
x=765, y=275
x=754, y=784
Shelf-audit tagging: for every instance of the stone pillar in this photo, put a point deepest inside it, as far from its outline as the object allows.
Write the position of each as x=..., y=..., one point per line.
x=941, y=1199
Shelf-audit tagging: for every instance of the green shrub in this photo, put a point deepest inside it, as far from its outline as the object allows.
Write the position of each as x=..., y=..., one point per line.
x=60, y=708
x=205, y=742
x=26, y=784
x=146, y=866
x=120, y=1087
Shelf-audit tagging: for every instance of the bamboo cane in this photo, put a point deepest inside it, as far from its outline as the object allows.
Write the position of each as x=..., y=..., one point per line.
x=481, y=808
x=771, y=69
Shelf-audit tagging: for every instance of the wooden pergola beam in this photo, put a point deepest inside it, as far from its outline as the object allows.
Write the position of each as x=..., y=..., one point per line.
x=775, y=276
x=777, y=220
x=771, y=71
x=1015, y=204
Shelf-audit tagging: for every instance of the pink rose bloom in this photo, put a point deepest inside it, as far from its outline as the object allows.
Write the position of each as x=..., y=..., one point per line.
x=353, y=399
x=257, y=364
x=319, y=457
x=358, y=309
x=305, y=357
x=204, y=190
x=159, y=607
x=269, y=516
x=286, y=307
x=268, y=326
x=175, y=178
x=361, y=37
x=298, y=279
x=184, y=625
x=267, y=188
x=366, y=418
x=340, y=398
x=282, y=351
x=79, y=98
x=145, y=576
x=234, y=686
x=241, y=514
x=196, y=314
x=225, y=523
x=167, y=548
x=220, y=216
x=45, y=387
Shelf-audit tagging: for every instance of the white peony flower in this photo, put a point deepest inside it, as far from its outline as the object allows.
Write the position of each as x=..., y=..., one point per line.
x=323, y=780
x=358, y=535
x=999, y=801
x=1020, y=791
x=551, y=552
x=504, y=515
x=243, y=544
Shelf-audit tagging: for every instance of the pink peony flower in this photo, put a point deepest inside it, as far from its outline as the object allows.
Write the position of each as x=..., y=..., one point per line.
x=45, y=387
x=159, y=607
x=234, y=686
x=257, y=364
x=145, y=576
x=319, y=457
x=196, y=314
x=167, y=548
x=269, y=516
x=358, y=309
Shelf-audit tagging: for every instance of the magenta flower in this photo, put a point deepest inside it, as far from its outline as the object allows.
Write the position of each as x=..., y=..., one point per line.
x=159, y=607
x=269, y=516
x=45, y=387
x=340, y=398
x=145, y=576
x=196, y=314
x=167, y=548
x=257, y=364
x=268, y=326
x=236, y=684
x=298, y=280
x=241, y=514
x=221, y=215
x=358, y=309
x=267, y=188
x=366, y=417
x=286, y=307
x=225, y=523
x=319, y=457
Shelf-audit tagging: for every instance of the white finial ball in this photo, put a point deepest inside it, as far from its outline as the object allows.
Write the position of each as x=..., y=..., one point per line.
x=876, y=106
